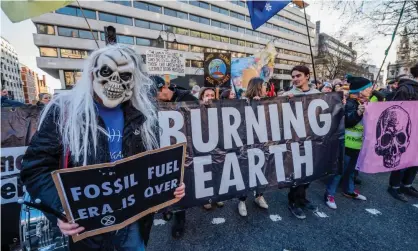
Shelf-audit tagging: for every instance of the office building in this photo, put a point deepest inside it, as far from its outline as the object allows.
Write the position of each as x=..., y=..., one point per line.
x=33, y=84
x=10, y=71
x=194, y=27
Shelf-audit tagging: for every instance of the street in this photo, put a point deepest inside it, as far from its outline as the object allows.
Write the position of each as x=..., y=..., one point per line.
x=350, y=227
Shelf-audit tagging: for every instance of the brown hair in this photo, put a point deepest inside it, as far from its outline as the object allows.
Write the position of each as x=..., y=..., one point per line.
x=254, y=88
x=203, y=90
x=301, y=68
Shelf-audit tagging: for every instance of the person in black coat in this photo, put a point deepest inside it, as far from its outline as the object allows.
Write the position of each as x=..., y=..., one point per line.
x=107, y=116
x=167, y=93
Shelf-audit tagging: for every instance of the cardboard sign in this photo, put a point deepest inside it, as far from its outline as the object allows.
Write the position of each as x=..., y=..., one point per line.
x=108, y=197
x=161, y=62
x=217, y=68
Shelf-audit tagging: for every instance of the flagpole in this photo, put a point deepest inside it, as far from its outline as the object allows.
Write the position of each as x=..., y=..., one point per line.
x=309, y=39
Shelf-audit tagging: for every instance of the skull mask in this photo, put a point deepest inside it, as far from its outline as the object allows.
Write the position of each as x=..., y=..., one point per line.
x=113, y=77
x=393, y=131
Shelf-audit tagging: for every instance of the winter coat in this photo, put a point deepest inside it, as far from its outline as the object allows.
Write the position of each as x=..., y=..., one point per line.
x=407, y=90
x=182, y=96
x=45, y=154
x=6, y=102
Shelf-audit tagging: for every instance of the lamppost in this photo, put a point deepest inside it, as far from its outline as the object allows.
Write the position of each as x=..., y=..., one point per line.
x=167, y=34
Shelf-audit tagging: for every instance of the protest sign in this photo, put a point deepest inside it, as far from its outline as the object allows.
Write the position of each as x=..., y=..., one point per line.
x=260, y=65
x=108, y=197
x=390, y=137
x=234, y=147
x=217, y=69
x=161, y=62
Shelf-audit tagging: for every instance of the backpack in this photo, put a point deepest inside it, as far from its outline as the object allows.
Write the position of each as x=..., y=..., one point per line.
x=412, y=94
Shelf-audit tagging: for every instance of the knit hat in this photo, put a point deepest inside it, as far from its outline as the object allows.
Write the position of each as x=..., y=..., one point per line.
x=158, y=81
x=358, y=84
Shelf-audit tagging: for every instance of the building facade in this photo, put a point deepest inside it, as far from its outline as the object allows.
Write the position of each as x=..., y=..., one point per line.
x=334, y=59
x=10, y=71
x=403, y=59
x=33, y=84
x=64, y=38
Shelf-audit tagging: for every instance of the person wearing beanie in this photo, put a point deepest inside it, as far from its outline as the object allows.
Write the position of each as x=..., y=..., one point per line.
x=360, y=91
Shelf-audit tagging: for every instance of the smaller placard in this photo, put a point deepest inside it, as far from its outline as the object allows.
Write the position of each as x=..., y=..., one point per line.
x=217, y=70
x=107, y=197
x=161, y=62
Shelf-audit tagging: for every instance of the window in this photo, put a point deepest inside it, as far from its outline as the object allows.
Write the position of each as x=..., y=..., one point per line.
x=241, y=30
x=220, y=10
x=248, y=44
x=155, y=26
x=225, y=39
x=177, y=30
x=198, y=19
x=224, y=26
x=70, y=53
x=142, y=23
x=67, y=32
x=216, y=38
x=216, y=23
x=115, y=19
x=195, y=48
x=45, y=29
x=177, y=46
x=200, y=4
x=194, y=33
x=175, y=13
x=87, y=34
x=197, y=64
x=125, y=39
x=147, y=6
x=71, y=77
x=233, y=41
x=237, y=15
x=124, y=20
x=48, y=52
x=126, y=3
x=72, y=11
x=233, y=28
x=107, y=17
x=241, y=43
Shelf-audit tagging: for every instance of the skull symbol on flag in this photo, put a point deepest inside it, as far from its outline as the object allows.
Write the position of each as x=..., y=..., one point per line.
x=393, y=132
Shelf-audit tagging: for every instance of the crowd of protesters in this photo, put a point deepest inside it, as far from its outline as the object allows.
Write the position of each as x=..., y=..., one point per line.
x=356, y=91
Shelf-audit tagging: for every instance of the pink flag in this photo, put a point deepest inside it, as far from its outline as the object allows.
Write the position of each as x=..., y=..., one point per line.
x=390, y=139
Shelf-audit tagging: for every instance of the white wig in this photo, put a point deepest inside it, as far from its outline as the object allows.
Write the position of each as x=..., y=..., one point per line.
x=77, y=118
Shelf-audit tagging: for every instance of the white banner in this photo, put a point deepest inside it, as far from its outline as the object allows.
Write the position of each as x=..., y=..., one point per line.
x=11, y=164
x=161, y=62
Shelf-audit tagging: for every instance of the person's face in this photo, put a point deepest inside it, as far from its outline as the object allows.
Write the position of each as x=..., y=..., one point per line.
x=208, y=95
x=162, y=94
x=231, y=95
x=299, y=79
x=4, y=93
x=395, y=85
x=366, y=93
x=263, y=91
x=338, y=88
x=45, y=99
x=327, y=89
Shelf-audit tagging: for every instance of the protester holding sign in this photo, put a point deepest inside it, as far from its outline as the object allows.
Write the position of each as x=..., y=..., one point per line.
x=206, y=95
x=108, y=115
x=169, y=94
x=297, y=195
x=360, y=91
x=400, y=182
x=255, y=91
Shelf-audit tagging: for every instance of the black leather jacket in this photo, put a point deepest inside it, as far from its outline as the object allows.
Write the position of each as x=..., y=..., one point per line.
x=45, y=154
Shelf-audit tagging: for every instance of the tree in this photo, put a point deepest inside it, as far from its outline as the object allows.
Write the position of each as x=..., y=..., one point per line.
x=382, y=17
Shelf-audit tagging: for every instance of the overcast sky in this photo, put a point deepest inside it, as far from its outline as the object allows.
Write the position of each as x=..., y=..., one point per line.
x=20, y=36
